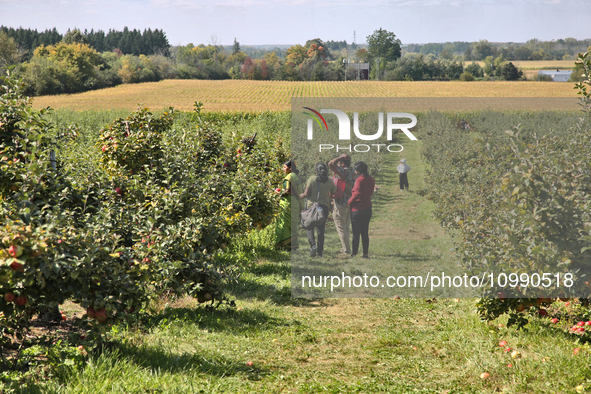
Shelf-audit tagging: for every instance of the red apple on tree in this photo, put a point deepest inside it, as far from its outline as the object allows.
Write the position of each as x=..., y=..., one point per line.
x=101, y=315
x=15, y=250
x=9, y=297
x=15, y=265
x=21, y=300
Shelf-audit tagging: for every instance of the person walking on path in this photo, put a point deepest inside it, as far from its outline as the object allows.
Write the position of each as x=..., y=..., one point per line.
x=403, y=169
x=318, y=189
x=360, y=205
x=341, y=166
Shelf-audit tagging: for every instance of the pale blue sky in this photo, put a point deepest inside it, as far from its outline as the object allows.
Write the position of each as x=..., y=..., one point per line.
x=258, y=22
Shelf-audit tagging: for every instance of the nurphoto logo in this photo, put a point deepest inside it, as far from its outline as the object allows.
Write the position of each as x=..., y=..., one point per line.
x=344, y=133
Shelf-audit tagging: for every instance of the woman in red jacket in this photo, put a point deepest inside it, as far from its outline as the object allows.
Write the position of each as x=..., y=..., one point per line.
x=360, y=205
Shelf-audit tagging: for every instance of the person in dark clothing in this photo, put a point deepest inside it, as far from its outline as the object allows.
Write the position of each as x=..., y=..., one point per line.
x=360, y=205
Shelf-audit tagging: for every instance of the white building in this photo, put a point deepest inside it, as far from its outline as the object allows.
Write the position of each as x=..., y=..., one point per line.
x=557, y=75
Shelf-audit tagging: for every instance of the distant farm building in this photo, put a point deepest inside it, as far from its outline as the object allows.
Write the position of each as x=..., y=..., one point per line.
x=361, y=70
x=557, y=75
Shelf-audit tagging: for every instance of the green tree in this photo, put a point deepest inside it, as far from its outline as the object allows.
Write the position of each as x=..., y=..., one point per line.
x=296, y=54
x=62, y=68
x=523, y=53
x=482, y=50
x=492, y=66
x=235, y=47
x=383, y=46
x=509, y=72
x=362, y=55
x=9, y=54
x=446, y=53
x=468, y=54
x=74, y=37
x=475, y=70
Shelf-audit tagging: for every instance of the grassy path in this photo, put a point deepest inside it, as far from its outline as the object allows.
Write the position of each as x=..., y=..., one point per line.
x=405, y=240
x=273, y=343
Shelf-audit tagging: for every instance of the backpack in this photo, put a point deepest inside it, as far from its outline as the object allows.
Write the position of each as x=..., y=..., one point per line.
x=314, y=216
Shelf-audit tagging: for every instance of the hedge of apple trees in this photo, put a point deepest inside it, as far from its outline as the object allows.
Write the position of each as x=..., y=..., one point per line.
x=144, y=217
x=520, y=200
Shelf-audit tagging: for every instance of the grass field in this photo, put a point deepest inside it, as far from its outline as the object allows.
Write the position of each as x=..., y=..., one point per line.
x=539, y=64
x=240, y=95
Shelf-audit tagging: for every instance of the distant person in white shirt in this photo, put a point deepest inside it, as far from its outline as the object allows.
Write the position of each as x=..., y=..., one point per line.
x=403, y=169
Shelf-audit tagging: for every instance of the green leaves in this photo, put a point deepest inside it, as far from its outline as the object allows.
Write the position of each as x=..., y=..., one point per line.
x=520, y=199
x=148, y=217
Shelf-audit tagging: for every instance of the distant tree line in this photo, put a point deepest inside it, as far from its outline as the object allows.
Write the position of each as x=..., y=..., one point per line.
x=50, y=63
x=134, y=42
x=130, y=42
x=27, y=40
x=533, y=49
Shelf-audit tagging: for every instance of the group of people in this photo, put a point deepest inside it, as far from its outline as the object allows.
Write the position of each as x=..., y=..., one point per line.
x=350, y=191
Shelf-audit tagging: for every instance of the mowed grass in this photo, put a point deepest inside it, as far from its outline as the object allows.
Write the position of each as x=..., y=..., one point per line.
x=240, y=95
x=272, y=343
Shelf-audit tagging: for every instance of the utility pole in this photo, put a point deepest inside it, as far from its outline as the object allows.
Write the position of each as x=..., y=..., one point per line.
x=378, y=69
x=356, y=58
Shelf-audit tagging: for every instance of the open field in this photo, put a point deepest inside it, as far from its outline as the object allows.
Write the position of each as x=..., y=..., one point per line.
x=240, y=95
x=539, y=64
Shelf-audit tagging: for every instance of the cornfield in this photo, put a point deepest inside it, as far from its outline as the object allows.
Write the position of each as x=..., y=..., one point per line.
x=241, y=95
